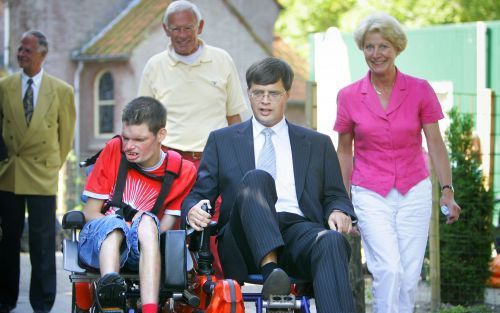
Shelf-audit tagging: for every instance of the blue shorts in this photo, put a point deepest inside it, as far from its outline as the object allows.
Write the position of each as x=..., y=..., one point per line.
x=95, y=231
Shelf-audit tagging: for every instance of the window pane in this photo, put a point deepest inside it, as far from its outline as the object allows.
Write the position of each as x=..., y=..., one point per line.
x=106, y=87
x=106, y=117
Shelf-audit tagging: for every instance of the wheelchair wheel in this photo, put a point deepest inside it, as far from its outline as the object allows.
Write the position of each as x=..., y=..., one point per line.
x=73, y=299
x=74, y=308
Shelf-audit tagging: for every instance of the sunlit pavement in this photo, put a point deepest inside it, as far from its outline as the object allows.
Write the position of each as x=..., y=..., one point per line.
x=63, y=298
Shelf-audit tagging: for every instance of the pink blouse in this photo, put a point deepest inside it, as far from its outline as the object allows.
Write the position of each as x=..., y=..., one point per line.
x=388, y=144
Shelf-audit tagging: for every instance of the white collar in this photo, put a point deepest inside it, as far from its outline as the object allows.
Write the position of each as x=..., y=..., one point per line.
x=280, y=128
x=37, y=79
x=187, y=59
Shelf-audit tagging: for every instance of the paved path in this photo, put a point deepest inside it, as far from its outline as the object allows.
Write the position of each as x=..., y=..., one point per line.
x=63, y=298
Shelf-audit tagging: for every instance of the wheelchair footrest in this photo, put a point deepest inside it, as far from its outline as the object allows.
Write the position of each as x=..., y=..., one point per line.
x=281, y=303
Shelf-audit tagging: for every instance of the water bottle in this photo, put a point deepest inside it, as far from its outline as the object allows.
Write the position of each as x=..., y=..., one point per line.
x=445, y=210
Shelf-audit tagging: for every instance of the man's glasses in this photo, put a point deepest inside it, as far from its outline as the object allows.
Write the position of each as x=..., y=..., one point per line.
x=273, y=95
x=182, y=29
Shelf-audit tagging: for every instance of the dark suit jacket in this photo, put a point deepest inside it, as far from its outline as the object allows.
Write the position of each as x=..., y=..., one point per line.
x=229, y=154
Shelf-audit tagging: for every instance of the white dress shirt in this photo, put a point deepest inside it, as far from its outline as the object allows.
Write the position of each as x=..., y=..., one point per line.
x=37, y=81
x=285, y=180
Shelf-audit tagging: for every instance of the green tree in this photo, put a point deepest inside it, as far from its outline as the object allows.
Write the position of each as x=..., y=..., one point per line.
x=427, y=12
x=302, y=17
x=466, y=245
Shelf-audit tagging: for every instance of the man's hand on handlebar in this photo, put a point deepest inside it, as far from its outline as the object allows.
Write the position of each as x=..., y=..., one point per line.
x=197, y=218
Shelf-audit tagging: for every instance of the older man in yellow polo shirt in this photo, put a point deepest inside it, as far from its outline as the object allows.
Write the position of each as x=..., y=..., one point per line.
x=197, y=83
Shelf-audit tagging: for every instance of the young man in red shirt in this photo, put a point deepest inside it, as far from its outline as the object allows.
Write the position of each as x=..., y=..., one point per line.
x=115, y=236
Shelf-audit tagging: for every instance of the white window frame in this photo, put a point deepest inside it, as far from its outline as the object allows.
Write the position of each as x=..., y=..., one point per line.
x=98, y=103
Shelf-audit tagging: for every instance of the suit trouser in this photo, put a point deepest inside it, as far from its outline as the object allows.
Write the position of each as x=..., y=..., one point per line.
x=307, y=250
x=41, y=217
x=394, y=230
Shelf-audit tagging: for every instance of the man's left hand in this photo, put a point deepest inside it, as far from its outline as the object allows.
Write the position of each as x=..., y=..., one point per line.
x=340, y=222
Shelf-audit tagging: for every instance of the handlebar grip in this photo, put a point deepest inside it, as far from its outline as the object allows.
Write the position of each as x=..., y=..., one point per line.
x=191, y=299
x=205, y=208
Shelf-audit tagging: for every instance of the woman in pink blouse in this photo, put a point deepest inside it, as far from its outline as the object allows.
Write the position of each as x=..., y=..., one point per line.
x=383, y=115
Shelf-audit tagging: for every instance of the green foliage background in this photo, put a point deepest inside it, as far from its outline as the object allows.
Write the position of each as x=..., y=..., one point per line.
x=300, y=18
x=466, y=245
x=472, y=309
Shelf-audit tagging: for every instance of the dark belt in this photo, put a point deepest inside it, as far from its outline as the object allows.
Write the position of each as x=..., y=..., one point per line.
x=190, y=154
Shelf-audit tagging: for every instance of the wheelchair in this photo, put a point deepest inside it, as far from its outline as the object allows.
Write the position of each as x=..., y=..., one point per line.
x=188, y=283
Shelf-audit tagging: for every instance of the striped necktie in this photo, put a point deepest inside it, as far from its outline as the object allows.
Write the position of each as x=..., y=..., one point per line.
x=267, y=156
x=28, y=102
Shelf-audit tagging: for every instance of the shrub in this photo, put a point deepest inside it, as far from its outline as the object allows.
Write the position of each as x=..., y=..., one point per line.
x=461, y=309
x=466, y=245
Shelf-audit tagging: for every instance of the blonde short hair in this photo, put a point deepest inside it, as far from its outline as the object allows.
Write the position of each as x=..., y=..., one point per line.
x=385, y=25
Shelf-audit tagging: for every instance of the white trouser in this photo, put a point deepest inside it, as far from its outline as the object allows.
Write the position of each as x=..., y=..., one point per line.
x=394, y=231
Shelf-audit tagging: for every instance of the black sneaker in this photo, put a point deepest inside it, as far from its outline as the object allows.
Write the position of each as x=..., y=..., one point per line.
x=109, y=293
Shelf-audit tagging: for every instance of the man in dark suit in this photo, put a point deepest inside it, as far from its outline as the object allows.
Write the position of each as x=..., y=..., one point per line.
x=284, y=205
x=37, y=119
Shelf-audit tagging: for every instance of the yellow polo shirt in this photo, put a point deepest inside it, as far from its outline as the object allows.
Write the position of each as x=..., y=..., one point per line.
x=198, y=96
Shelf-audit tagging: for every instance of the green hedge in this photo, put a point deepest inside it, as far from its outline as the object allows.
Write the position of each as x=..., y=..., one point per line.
x=466, y=245
x=472, y=309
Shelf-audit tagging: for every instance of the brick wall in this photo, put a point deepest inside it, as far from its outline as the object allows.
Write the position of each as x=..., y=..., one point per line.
x=68, y=24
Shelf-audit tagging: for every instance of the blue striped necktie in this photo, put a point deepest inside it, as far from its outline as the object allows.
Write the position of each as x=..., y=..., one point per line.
x=267, y=156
